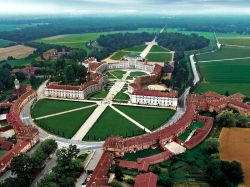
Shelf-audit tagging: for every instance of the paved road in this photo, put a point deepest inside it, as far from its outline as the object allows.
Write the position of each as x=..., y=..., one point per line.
x=195, y=72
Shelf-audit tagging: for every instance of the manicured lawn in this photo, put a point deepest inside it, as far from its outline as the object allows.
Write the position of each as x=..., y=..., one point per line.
x=192, y=127
x=138, y=48
x=151, y=118
x=66, y=125
x=159, y=57
x=49, y=106
x=100, y=95
x=121, y=96
x=157, y=48
x=4, y=124
x=117, y=74
x=225, y=52
x=110, y=123
x=2, y=152
x=134, y=74
x=119, y=55
x=231, y=76
x=141, y=154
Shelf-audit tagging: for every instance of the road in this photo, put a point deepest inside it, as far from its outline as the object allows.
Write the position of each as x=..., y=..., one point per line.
x=194, y=69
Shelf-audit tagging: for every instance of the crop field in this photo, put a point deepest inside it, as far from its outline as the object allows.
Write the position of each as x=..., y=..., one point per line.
x=240, y=41
x=231, y=76
x=234, y=145
x=157, y=48
x=17, y=51
x=49, y=106
x=111, y=123
x=80, y=40
x=225, y=52
x=159, y=57
x=151, y=118
x=4, y=43
x=65, y=125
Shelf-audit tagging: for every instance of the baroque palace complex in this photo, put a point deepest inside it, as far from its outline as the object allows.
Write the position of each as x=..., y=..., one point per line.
x=115, y=147
x=138, y=95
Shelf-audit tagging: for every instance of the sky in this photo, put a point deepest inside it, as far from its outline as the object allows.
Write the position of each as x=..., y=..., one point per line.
x=125, y=7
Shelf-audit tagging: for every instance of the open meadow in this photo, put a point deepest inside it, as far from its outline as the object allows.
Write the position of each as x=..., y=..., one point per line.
x=234, y=145
x=17, y=51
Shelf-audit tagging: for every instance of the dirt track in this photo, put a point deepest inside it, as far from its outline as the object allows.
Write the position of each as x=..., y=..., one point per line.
x=235, y=145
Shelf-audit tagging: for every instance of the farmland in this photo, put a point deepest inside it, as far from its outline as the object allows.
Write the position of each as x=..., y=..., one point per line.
x=19, y=62
x=4, y=43
x=234, y=145
x=144, y=115
x=17, y=51
x=110, y=123
x=240, y=41
x=231, y=76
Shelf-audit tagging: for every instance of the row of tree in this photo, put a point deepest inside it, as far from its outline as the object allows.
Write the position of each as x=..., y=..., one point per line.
x=26, y=167
x=69, y=167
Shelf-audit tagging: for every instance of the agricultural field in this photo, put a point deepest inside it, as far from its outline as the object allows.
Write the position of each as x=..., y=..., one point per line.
x=17, y=51
x=159, y=57
x=234, y=145
x=49, y=106
x=65, y=125
x=135, y=74
x=226, y=52
x=151, y=118
x=240, y=41
x=4, y=43
x=111, y=123
x=18, y=63
x=231, y=76
x=80, y=40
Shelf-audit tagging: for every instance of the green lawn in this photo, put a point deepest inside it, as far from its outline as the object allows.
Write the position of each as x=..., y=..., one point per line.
x=138, y=48
x=110, y=123
x=232, y=76
x=49, y=106
x=119, y=55
x=3, y=124
x=134, y=74
x=159, y=57
x=2, y=152
x=100, y=95
x=242, y=41
x=121, y=96
x=157, y=48
x=192, y=127
x=151, y=118
x=66, y=125
x=116, y=74
x=141, y=154
x=18, y=63
x=225, y=52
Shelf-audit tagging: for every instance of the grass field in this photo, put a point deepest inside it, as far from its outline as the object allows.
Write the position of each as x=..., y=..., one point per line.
x=151, y=118
x=66, y=125
x=183, y=137
x=225, y=52
x=141, y=154
x=80, y=40
x=159, y=57
x=49, y=106
x=3, y=124
x=110, y=123
x=120, y=54
x=17, y=51
x=99, y=95
x=234, y=145
x=134, y=74
x=4, y=43
x=138, y=48
x=18, y=63
x=157, y=48
x=241, y=41
x=2, y=152
x=118, y=74
x=232, y=76
x=120, y=96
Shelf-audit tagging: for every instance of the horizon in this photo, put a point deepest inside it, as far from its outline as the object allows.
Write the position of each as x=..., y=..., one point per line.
x=124, y=7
